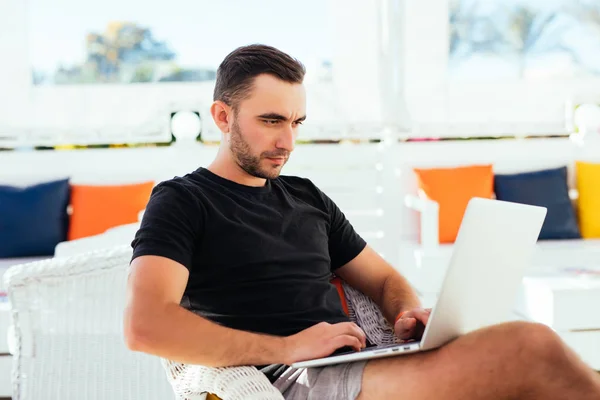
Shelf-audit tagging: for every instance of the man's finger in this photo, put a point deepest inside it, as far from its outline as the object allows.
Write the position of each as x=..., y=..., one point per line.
x=359, y=333
x=408, y=323
x=347, y=340
x=350, y=328
x=405, y=328
x=421, y=314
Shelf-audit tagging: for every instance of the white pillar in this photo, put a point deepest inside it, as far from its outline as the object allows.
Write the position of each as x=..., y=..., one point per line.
x=15, y=71
x=368, y=61
x=392, y=60
x=356, y=60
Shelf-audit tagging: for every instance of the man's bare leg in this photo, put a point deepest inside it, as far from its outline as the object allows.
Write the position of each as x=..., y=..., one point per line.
x=517, y=360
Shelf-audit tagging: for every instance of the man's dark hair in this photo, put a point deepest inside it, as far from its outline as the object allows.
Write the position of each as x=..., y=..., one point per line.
x=236, y=73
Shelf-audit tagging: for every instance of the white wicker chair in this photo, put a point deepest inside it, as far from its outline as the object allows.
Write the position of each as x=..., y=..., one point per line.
x=67, y=332
x=67, y=338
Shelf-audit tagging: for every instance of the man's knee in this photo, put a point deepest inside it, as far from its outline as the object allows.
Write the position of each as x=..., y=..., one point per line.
x=534, y=345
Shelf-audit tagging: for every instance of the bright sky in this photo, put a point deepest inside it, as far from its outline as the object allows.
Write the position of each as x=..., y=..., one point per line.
x=201, y=32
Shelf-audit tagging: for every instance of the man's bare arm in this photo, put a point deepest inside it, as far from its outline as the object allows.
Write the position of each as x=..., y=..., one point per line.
x=372, y=275
x=155, y=323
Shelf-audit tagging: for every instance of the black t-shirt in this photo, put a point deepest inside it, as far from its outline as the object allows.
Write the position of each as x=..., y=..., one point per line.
x=260, y=259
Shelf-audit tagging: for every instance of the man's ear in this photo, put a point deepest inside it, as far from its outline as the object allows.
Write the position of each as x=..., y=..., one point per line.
x=221, y=114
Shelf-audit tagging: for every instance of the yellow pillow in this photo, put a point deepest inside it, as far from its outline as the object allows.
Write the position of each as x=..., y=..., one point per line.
x=588, y=185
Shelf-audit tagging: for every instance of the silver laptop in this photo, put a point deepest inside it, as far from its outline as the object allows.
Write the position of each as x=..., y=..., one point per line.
x=494, y=246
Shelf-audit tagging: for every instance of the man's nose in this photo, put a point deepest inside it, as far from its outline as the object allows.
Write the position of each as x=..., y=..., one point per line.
x=287, y=139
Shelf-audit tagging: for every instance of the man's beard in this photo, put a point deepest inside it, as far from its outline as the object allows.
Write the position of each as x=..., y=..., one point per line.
x=251, y=163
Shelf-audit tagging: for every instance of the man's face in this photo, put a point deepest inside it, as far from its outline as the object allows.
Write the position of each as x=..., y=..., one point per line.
x=265, y=126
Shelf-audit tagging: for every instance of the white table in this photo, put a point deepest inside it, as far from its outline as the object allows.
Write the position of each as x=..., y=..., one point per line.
x=566, y=299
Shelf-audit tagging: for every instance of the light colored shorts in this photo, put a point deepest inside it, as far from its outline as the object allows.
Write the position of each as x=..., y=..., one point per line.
x=333, y=382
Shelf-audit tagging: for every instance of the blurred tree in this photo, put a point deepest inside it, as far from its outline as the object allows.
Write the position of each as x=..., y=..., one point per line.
x=143, y=73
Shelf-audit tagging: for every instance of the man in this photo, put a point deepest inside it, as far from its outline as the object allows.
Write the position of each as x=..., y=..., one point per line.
x=232, y=266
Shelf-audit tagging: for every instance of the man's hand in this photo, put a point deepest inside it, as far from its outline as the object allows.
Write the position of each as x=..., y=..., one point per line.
x=323, y=339
x=412, y=324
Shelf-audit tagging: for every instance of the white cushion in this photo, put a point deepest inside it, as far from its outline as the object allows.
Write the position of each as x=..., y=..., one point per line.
x=120, y=235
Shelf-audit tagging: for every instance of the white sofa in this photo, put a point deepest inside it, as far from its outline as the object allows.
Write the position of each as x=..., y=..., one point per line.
x=370, y=182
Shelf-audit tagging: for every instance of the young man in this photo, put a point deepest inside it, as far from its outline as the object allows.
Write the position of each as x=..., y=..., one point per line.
x=232, y=264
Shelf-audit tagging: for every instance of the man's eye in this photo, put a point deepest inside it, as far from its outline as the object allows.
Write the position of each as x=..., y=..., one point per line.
x=272, y=121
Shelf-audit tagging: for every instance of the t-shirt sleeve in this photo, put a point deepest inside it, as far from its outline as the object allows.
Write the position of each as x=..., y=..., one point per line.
x=344, y=242
x=171, y=224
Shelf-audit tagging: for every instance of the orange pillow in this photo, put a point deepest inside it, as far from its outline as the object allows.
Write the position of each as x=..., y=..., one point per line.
x=452, y=188
x=98, y=208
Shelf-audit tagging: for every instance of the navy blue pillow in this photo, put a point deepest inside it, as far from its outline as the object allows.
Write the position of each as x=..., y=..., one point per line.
x=34, y=219
x=547, y=188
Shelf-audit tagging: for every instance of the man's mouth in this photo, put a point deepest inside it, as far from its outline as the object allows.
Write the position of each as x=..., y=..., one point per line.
x=276, y=160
